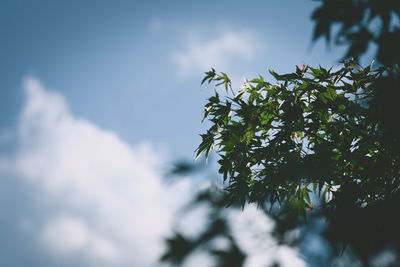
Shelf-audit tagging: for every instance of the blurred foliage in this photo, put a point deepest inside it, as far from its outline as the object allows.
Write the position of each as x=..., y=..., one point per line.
x=360, y=24
x=180, y=246
x=320, y=142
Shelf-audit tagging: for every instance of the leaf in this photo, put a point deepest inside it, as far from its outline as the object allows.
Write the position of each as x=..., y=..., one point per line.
x=210, y=75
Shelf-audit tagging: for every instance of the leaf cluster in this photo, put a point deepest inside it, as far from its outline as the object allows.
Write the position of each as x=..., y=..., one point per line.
x=308, y=133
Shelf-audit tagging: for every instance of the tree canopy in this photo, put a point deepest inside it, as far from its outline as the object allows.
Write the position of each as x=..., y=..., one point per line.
x=320, y=142
x=309, y=132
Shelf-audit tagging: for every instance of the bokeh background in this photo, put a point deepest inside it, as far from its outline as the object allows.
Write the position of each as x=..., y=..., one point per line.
x=99, y=98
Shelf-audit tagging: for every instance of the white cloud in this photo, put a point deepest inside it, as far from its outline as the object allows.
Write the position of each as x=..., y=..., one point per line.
x=200, y=54
x=66, y=236
x=252, y=230
x=111, y=205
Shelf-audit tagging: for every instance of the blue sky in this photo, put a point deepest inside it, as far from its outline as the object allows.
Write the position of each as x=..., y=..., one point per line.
x=94, y=90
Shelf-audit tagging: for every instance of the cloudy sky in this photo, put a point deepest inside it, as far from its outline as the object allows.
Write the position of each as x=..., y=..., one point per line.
x=98, y=97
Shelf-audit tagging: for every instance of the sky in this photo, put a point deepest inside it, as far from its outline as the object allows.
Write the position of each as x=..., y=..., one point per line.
x=99, y=97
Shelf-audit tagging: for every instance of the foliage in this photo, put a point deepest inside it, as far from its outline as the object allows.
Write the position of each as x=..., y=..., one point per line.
x=320, y=142
x=310, y=132
x=361, y=24
x=315, y=131
x=181, y=246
